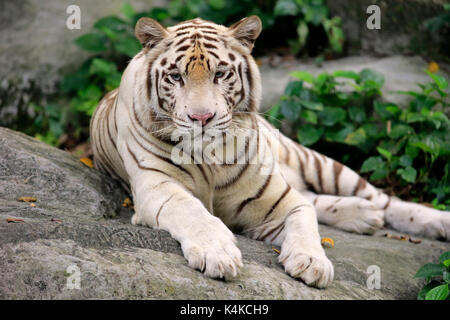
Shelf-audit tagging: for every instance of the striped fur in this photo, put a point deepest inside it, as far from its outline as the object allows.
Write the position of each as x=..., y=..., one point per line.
x=198, y=67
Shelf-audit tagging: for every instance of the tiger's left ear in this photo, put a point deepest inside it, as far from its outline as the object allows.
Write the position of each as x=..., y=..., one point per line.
x=247, y=30
x=149, y=32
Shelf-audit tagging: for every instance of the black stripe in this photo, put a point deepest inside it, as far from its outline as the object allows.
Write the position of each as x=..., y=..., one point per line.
x=252, y=104
x=256, y=196
x=142, y=167
x=337, y=169
x=213, y=54
x=149, y=80
x=286, y=191
x=183, y=48
x=318, y=165
x=168, y=160
x=160, y=208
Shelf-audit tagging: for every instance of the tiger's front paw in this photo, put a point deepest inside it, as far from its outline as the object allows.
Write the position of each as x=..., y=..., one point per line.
x=213, y=251
x=309, y=264
x=314, y=271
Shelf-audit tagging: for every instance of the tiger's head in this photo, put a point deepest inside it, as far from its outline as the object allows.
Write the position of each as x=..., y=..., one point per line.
x=197, y=72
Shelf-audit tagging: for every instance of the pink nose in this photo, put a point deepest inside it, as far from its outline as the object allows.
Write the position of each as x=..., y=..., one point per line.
x=204, y=118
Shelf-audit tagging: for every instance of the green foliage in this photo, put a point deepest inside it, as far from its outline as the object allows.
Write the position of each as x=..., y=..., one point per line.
x=437, y=277
x=437, y=23
x=305, y=14
x=406, y=148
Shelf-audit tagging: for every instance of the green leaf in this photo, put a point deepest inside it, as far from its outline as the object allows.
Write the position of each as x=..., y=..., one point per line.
x=385, y=153
x=312, y=105
x=385, y=110
x=303, y=75
x=332, y=115
x=379, y=173
x=285, y=8
x=315, y=12
x=411, y=150
x=293, y=88
x=217, y=4
x=400, y=130
x=128, y=45
x=128, y=10
x=439, y=80
x=92, y=92
x=445, y=256
x=422, y=294
x=93, y=42
x=102, y=67
x=339, y=134
x=357, y=114
x=346, y=74
x=408, y=174
x=309, y=116
x=438, y=293
x=446, y=275
x=356, y=138
x=429, y=270
x=446, y=263
x=372, y=164
x=308, y=134
x=290, y=109
x=113, y=23
x=375, y=78
x=405, y=160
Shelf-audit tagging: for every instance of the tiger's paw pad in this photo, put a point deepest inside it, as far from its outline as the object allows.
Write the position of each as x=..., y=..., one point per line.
x=314, y=271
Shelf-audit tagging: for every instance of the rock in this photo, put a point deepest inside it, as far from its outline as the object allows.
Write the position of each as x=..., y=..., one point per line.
x=36, y=48
x=402, y=29
x=78, y=221
x=400, y=74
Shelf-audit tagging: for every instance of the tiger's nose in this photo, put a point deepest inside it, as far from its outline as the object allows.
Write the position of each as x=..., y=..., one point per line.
x=203, y=118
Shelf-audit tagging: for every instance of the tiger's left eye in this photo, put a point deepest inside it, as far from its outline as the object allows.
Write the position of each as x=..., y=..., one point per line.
x=219, y=74
x=176, y=76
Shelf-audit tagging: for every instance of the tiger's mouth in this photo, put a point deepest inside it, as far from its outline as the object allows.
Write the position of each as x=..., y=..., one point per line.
x=207, y=123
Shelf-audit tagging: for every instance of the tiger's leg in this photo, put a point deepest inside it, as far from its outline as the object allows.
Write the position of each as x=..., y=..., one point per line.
x=162, y=202
x=352, y=214
x=323, y=175
x=288, y=219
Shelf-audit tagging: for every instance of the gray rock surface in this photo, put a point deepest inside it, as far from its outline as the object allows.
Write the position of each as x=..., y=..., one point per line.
x=78, y=220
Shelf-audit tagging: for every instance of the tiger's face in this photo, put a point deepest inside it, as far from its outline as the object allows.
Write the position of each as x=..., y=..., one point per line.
x=200, y=73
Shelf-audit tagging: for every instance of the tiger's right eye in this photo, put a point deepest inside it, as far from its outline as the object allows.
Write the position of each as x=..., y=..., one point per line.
x=176, y=76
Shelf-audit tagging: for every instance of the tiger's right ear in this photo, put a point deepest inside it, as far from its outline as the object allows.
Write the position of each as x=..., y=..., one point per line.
x=149, y=32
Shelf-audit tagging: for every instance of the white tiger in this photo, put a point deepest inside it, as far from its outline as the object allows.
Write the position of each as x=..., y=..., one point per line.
x=201, y=73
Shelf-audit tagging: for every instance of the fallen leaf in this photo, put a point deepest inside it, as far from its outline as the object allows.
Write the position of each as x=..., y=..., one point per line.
x=276, y=250
x=87, y=162
x=32, y=205
x=55, y=220
x=14, y=220
x=27, y=199
x=433, y=67
x=415, y=241
x=327, y=242
x=127, y=203
x=396, y=237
